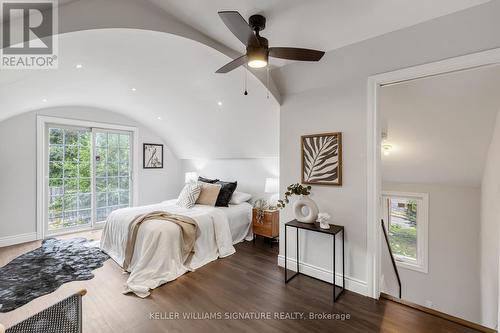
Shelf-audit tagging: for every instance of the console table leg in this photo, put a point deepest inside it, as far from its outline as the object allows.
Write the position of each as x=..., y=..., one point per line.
x=343, y=262
x=297, y=258
x=285, y=255
x=333, y=269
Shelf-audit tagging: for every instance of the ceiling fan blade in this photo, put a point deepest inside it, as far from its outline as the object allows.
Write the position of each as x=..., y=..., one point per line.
x=233, y=64
x=293, y=53
x=239, y=27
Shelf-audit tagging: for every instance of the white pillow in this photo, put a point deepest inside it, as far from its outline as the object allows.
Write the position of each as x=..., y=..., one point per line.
x=189, y=195
x=239, y=198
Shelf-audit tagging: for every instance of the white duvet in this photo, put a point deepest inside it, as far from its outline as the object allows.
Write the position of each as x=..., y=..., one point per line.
x=157, y=255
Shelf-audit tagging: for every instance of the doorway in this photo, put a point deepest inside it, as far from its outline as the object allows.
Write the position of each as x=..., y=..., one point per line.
x=85, y=172
x=375, y=151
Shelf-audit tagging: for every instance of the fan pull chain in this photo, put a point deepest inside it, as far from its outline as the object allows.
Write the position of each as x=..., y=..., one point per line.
x=246, y=70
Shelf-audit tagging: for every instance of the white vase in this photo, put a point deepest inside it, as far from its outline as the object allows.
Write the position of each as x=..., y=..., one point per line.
x=312, y=210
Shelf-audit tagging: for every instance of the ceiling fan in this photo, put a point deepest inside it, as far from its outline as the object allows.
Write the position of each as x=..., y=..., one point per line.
x=258, y=50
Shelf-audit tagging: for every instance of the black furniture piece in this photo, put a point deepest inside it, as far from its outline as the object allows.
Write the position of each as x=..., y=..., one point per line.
x=63, y=317
x=314, y=227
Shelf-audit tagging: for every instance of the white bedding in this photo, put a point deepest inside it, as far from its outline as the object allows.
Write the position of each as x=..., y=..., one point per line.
x=157, y=255
x=240, y=221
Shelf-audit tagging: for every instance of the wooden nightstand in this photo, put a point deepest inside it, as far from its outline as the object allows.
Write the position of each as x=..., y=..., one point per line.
x=269, y=227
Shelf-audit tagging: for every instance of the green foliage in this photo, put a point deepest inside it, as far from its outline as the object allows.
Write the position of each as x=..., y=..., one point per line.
x=411, y=211
x=403, y=240
x=70, y=155
x=293, y=189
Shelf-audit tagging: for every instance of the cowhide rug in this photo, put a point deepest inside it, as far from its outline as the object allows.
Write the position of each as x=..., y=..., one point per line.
x=43, y=270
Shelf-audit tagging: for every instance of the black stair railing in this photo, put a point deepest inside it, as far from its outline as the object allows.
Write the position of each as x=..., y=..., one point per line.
x=392, y=256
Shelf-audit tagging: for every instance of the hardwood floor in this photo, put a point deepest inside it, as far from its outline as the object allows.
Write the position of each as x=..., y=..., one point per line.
x=248, y=281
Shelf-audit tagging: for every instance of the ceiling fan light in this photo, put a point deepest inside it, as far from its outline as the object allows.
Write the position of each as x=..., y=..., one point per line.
x=257, y=56
x=257, y=63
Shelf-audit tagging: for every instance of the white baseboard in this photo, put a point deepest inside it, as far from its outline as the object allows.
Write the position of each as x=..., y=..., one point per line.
x=351, y=283
x=18, y=239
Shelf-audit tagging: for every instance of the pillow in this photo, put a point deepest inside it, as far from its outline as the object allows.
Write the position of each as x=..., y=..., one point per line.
x=189, y=195
x=239, y=198
x=207, y=180
x=209, y=194
x=225, y=193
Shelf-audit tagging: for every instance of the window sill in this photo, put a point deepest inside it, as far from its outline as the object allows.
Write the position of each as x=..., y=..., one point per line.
x=411, y=266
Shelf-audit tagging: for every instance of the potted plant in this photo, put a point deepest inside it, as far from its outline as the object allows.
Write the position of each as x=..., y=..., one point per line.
x=260, y=206
x=303, y=202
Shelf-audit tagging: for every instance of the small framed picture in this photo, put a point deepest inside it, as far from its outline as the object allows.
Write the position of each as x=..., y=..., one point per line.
x=152, y=157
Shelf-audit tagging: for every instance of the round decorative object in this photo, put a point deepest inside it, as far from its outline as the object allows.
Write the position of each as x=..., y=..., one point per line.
x=308, y=205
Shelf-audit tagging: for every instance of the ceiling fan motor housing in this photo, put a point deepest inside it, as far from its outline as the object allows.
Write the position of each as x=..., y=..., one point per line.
x=257, y=22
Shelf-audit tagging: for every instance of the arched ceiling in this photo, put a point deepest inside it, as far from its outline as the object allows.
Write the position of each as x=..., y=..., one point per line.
x=176, y=91
x=319, y=24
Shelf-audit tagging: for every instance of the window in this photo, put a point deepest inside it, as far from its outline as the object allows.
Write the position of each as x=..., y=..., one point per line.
x=406, y=220
x=69, y=203
x=85, y=171
x=112, y=172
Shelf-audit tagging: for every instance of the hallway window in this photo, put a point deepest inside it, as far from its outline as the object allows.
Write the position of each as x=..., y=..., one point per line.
x=407, y=225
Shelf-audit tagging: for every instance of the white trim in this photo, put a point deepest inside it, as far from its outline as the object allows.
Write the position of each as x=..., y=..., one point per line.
x=41, y=165
x=484, y=58
x=422, y=262
x=18, y=239
x=352, y=284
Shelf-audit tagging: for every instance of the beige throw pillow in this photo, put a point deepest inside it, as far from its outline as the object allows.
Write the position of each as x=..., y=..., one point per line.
x=209, y=193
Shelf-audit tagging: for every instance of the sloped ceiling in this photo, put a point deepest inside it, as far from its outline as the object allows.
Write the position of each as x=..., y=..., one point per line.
x=440, y=127
x=177, y=93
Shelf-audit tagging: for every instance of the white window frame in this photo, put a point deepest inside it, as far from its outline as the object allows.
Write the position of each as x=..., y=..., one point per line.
x=422, y=262
x=42, y=166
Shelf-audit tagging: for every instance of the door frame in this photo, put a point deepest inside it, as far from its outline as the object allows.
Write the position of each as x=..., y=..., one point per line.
x=42, y=170
x=374, y=139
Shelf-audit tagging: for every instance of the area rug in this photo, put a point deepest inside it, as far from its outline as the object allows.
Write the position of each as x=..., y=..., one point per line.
x=43, y=270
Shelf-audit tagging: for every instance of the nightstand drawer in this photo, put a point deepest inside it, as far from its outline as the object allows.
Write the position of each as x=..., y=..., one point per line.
x=263, y=229
x=268, y=226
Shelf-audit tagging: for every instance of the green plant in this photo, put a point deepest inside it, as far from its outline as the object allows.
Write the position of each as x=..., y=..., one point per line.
x=260, y=205
x=293, y=189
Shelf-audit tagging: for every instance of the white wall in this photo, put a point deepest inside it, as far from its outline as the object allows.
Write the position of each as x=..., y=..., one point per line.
x=453, y=272
x=490, y=220
x=18, y=167
x=332, y=96
x=250, y=173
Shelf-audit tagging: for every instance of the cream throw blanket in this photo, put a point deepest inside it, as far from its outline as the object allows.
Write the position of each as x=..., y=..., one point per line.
x=188, y=227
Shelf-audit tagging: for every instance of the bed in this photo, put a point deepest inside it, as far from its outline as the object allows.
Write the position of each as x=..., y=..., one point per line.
x=157, y=257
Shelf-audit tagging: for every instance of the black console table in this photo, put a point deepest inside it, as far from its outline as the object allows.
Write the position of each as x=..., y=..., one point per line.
x=334, y=230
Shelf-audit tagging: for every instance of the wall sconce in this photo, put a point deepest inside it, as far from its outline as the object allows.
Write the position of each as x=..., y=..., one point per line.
x=386, y=148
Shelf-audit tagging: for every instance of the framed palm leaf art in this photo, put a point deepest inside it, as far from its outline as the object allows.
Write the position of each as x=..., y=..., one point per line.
x=322, y=159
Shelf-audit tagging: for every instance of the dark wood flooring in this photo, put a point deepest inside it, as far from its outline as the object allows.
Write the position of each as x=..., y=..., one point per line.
x=248, y=281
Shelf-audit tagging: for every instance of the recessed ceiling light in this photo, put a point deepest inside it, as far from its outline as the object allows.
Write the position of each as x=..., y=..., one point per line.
x=219, y=103
x=133, y=89
x=44, y=100
x=79, y=66
x=159, y=118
